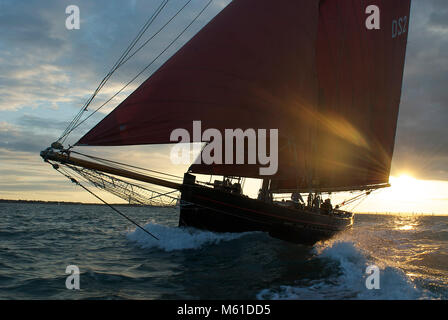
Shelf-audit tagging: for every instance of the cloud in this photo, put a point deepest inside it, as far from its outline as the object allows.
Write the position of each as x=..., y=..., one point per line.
x=421, y=144
x=44, y=63
x=16, y=138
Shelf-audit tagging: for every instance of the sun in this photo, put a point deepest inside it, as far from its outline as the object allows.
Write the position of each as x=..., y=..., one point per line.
x=403, y=180
x=409, y=195
x=406, y=188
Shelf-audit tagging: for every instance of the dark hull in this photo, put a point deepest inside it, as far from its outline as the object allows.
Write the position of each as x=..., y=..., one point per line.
x=220, y=211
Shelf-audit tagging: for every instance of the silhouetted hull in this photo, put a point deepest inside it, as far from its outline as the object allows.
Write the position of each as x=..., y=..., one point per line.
x=220, y=211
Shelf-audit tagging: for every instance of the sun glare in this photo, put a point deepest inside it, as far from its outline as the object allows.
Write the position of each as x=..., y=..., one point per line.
x=406, y=188
x=409, y=195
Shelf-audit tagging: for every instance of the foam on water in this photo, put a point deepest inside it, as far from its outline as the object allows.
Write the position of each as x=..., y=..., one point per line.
x=174, y=238
x=349, y=278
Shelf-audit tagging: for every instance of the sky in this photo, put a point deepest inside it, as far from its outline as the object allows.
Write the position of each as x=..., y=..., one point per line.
x=47, y=72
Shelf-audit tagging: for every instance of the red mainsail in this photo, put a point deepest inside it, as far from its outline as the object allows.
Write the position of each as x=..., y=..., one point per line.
x=310, y=69
x=360, y=74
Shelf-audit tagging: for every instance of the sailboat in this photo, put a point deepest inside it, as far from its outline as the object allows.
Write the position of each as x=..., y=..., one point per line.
x=315, y=70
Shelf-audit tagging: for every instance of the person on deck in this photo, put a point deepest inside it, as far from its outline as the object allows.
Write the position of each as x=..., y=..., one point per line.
x=297, y=199
x=327, y=207
x=310, y=200
x=316, y=202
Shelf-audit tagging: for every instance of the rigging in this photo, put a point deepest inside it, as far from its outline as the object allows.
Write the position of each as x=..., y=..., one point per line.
x=119, y=63
x=58, y=169
x=77, y=121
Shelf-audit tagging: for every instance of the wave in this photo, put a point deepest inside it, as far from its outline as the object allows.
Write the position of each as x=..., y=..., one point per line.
x=175, y=238
x=348, y=281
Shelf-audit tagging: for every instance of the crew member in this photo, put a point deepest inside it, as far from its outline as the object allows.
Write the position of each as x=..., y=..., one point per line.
x=296, y=197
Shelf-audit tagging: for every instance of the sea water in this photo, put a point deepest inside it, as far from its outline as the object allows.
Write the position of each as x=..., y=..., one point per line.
x=118, y=261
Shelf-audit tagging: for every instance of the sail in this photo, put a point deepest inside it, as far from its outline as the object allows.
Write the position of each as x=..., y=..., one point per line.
x=310, y=69
x=242, y=70
x=360, y=74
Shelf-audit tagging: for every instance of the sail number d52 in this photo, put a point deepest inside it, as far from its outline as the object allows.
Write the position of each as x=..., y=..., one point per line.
x=399, y=27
